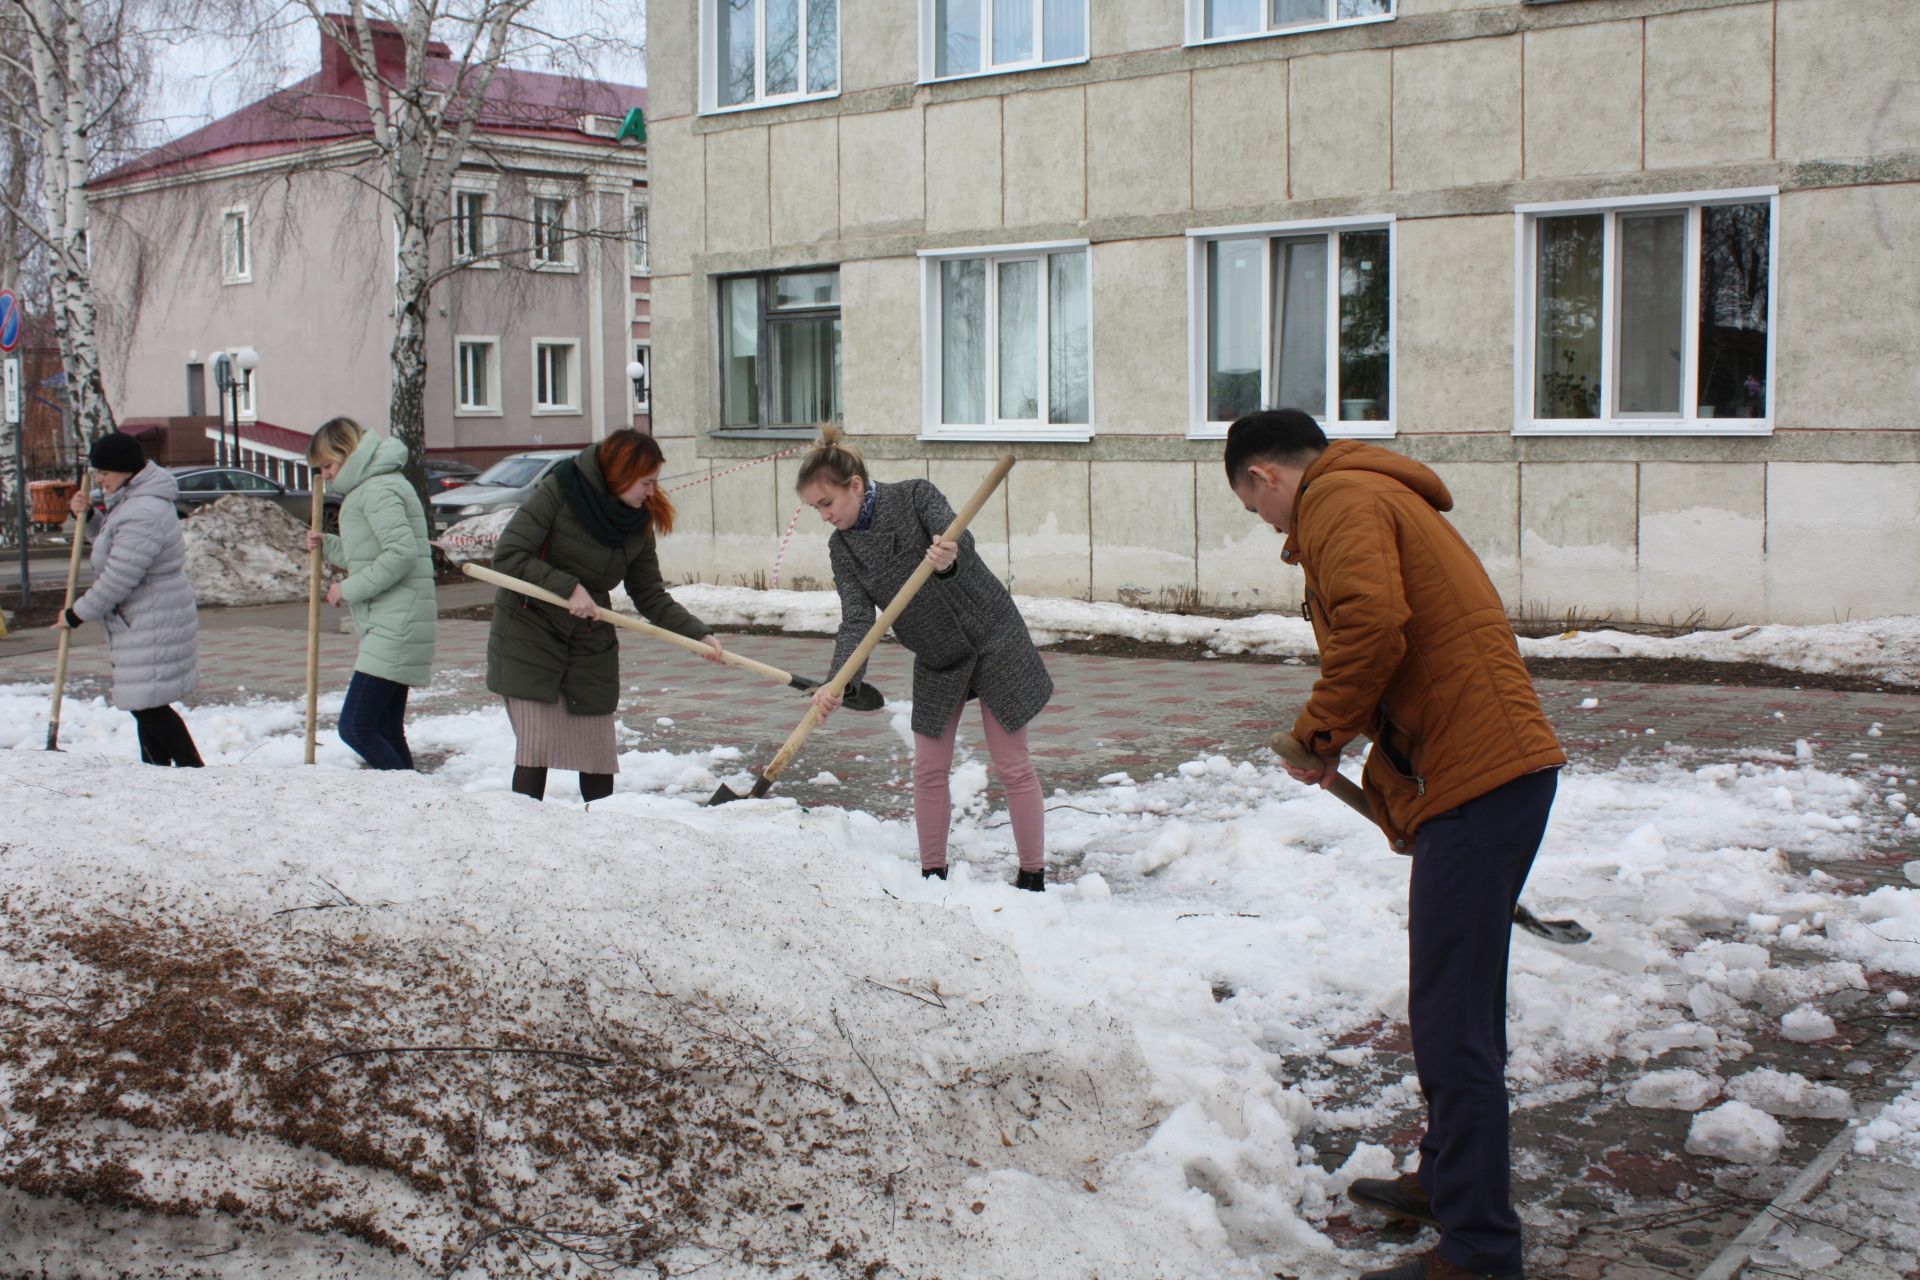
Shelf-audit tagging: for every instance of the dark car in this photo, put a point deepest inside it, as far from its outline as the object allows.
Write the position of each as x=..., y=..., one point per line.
x=202, y=485
x=444, y=474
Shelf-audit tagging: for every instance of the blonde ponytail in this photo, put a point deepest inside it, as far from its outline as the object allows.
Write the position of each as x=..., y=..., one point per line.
x=832, y=460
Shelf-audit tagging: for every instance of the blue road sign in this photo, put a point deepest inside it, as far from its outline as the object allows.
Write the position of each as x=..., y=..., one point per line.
x=10, y=317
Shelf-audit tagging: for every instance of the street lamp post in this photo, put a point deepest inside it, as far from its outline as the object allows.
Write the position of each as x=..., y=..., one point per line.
x=637, y=374
x=229, y=383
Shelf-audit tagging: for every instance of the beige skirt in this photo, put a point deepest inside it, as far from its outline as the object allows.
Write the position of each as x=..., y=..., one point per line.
x=548, y=736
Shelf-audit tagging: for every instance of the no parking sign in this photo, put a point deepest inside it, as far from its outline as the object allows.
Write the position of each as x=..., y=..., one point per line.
x=10, y=316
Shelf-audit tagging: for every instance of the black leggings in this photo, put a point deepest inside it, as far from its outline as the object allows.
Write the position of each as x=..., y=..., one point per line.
x=530, y=781
x=164, y=738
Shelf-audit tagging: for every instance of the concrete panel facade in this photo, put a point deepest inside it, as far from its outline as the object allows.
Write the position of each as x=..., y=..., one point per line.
x=1703, y=532
x=1456, y=114
x=1709, y=86
x=958, y=479
x=1583, y=100
x=1578, y=536
x=963, y=173
x=1443, y=119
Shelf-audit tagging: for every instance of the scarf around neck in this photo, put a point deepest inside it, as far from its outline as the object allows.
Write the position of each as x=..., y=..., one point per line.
x=866, y=508
x=609, y=520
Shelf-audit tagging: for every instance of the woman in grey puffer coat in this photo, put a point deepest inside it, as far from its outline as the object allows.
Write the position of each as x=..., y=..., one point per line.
x=141, y=595
x=967, y=636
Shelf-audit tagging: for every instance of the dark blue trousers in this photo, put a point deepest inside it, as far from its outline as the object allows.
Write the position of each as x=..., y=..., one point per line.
x=373, y=721
x=1469, y=864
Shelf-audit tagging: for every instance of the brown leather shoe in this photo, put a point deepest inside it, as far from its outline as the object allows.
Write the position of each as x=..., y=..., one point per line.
x=1401, y=1197
x=1432, y=1266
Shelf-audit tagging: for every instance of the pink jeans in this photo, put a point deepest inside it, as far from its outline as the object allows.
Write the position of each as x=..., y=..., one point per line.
x=933, y=799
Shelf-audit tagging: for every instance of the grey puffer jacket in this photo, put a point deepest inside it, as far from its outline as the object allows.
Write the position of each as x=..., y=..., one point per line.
x=141, y=595
x=966, y=633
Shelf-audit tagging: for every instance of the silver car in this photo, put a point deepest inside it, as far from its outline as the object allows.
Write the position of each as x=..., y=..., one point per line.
x=503, y=485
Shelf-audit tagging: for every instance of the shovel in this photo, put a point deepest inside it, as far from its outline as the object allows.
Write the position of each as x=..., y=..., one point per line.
x=1294, y=752
x=901, y=599
x=673, y=638
x=313, y=618
x=66, y=636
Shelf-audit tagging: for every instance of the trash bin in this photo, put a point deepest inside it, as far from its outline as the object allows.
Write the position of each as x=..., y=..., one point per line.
x=50, y=499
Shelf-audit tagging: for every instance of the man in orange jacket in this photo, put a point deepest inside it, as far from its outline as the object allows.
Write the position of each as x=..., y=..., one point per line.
x=1416, y=653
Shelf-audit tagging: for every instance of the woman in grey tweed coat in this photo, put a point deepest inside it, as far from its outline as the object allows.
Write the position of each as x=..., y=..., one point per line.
x=967, y=636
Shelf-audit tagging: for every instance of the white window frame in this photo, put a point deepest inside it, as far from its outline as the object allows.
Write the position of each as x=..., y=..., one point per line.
x=640, y=248
x=643, y=352
x=492, y=408
x=931, y=427
x=476, y=256
x=573, y=405
x=710, y=65
x=1198, y=425
x=235, y=216
x=567, y=261
x=1197, y=23
x=930, y=51
x=1526, y=219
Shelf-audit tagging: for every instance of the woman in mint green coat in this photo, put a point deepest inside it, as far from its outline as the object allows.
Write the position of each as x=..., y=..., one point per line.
x=389, y=584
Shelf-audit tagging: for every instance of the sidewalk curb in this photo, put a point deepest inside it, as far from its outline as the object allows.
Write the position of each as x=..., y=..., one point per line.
x=1805, y=1183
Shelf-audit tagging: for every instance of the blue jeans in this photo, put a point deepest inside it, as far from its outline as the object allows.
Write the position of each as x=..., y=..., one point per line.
x=1469, y=865
x=373, y=721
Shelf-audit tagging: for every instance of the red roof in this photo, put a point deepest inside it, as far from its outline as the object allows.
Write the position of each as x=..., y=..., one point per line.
x=331, y=106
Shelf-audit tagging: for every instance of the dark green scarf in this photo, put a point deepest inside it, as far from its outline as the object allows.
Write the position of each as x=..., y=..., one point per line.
x=609, y=520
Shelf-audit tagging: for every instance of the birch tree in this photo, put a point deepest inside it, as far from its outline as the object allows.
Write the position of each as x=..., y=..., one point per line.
x=68, y=85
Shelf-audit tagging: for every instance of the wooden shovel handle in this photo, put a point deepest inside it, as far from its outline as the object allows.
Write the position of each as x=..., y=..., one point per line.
x=314, y=573
x=901, y=599
x=66, y=636
x=673, y=638
x=1295, y=753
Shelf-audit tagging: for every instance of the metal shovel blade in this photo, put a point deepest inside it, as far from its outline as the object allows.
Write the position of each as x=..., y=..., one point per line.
x=1565, y=932
x=727, y=795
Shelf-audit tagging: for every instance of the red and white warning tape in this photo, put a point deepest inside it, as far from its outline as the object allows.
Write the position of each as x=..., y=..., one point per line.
x=781, y=557
x=750, y=462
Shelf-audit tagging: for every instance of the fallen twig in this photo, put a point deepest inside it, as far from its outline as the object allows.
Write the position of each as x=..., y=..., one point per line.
x=869, y=1066
x=936, y=1001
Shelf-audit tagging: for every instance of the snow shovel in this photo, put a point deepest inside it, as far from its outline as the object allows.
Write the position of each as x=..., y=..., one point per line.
x=901, y=599
x=673, y=638
x=66, y=636
x=313, y=616
x=1295, y=753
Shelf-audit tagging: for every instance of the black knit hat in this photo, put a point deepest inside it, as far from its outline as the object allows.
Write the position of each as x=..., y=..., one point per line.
x=117, y=451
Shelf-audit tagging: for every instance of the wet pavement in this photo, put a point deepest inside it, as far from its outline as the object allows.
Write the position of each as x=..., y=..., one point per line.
x=1606, y=1190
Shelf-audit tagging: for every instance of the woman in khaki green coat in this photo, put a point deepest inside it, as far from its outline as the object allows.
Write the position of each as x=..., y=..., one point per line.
x=388, y=587
x=589, y=526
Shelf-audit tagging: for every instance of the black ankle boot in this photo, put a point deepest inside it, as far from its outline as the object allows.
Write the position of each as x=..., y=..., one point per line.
x=1034, y=880
x=933, y=873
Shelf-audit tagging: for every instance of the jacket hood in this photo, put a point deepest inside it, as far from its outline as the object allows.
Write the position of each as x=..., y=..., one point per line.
x=1344, y=456
x=374, y=456
x=151, y=481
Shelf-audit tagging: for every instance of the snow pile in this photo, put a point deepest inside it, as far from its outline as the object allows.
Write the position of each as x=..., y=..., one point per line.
x=1674, y=1090
x=1882, y=649
x=1806, y=1025
x=1737, y=1132
x=474, y=539
x=1790, y=1094
x=243, y=550
x=1894, y=1134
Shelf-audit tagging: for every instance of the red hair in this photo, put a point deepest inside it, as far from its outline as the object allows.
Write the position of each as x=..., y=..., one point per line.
x=628, y=457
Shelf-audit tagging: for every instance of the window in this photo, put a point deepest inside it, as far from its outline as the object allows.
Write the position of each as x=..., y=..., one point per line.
x=1007, y=336
x=472, y=236
x=1294, y=317
x=637, y=247
x=780, y=350
x=1241, y=19
x=555, y=376
x=476, y=375
x=243, y=393
x=236, y=247
x=550, y=231
x=763, y=52
x=643, y=385
x=1647, y=316
x=982, y=37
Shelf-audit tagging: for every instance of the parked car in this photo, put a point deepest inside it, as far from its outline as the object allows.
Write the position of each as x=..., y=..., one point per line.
x=444, y=474
x=505, y=484
x=202, y=485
